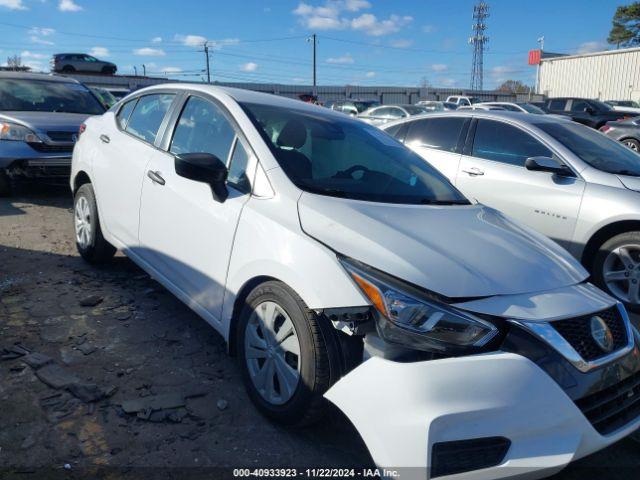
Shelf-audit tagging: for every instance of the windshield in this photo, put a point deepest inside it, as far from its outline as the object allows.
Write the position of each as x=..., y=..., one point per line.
x=23, y=95
x=413, y=110
x=599, y=105
x=594, y=148
x=532, y=108
x=362, y=106
x=474, y=100
x=342, y=157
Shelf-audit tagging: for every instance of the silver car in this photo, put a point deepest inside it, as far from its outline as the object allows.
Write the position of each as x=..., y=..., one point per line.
x=388, y=113
x=566, y=180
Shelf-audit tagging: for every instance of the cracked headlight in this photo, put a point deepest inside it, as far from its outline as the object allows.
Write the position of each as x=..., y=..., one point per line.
x=17, y=133
x=409, y=317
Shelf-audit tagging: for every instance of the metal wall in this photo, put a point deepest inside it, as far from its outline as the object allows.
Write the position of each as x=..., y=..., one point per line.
x=385, y=95
x=612, y=75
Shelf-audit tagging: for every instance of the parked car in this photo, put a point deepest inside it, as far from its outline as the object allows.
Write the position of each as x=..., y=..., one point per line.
x=354, y=107
x=592, y=113
x=625, y=131
x=480, y=106
x=436, y=106
x=335, y=261
x=39, y=120
x=81, y=62
x=523, y=107
x=387, y=113
x=463, y=100
x=119, y=93
x=568, y=182
x=624, y=105
x=105, y=96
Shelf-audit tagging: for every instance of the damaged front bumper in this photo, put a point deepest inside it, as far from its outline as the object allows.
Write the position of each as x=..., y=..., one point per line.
x=402, y=410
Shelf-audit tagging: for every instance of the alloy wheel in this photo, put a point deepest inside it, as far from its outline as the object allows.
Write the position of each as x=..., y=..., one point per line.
x=83, y=222
x=632, y=145
x=621, y=273
x=272, y=353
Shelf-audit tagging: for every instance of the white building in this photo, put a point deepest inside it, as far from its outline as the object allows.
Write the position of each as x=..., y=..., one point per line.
x=610, y=75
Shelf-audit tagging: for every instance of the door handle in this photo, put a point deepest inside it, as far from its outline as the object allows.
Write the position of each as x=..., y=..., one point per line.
x=155, y=177
x=474, y=172
x=105, y=138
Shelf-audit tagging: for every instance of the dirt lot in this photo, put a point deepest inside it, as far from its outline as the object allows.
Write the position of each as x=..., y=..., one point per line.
x=111, y=335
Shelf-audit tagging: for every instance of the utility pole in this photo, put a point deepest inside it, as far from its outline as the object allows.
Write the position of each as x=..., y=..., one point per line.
x=541, y=43
x=314, y=40
x=206, y=54
x=478, y=40
x=135, y=70
x=144, y=70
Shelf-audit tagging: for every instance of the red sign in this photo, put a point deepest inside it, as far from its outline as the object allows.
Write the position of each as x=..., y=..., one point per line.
x=534, y=57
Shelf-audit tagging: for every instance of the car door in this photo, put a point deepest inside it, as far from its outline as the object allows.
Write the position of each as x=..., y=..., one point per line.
x=438, y=141
x=185, y=235
x=492, y=171
x=125, y=147
x=581, y=112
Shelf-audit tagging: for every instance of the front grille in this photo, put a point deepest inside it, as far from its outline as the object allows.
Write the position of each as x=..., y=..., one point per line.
x=62, y=136
x=577, y=331
x=46, y=147
x=614, y=407
x=449, y=458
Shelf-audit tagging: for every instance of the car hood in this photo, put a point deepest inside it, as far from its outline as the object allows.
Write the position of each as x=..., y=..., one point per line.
x=632, y=183
x=46, y=121
x=456, y=251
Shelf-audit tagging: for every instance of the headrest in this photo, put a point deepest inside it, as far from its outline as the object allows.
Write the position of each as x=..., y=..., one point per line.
x=293, y=135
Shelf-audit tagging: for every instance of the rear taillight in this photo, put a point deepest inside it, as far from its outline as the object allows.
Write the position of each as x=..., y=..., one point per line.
x=605, y=128
x=81, y=130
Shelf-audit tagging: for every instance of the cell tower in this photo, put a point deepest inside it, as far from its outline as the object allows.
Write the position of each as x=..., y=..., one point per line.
x=478, y=40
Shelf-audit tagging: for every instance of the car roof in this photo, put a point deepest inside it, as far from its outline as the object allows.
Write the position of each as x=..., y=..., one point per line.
x=518, y=117
x=37, y=76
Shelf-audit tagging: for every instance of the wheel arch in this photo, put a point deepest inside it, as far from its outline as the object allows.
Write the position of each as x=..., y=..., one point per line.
x=80, y=179
x=602, y=235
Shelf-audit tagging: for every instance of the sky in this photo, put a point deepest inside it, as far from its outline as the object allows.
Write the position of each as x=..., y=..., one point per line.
x=360, y=42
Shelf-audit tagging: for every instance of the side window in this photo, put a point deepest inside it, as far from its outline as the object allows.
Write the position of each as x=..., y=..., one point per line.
x=579, y=106
x=464, y=101
x=147, y=116
x=123, y=115
x=557, y=104
x=202, y=128
x=238, y=177
x=439, y=133
x=506, y=144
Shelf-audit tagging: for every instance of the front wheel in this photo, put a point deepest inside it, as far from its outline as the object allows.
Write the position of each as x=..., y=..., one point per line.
x=285, y=351
x=617, y=268
x=632, y=143
x=90, y=243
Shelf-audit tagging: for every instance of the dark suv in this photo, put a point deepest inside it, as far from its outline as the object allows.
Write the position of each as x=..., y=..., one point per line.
x=81, y=62
x=592, y=113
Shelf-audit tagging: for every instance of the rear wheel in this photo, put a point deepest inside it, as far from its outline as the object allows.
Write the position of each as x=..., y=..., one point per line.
x=632, y=143
x=5, y=184
x=286, y=354
x=68, y=69
x=108, y=70
x=91, y=245
x=617, y=268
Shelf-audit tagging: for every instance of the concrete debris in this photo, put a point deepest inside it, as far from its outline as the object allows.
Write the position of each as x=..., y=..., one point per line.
x=86, y=348
x=222, y=404
x=91, y=301
x=89, y=392
x=56, y=376
x=37, y=360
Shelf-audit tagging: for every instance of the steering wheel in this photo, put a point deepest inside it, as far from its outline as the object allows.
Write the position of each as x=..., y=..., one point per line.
x=348, y=173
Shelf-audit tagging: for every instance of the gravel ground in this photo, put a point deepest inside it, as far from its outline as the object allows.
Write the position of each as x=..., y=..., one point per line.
x=111, y=335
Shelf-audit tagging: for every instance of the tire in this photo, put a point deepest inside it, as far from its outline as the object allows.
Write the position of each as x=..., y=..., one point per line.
x=317, y=364
x=5, y=184
x=108, y=70
x=632, y=143
x=620, y=254
x=68, y=69
x=90, y=243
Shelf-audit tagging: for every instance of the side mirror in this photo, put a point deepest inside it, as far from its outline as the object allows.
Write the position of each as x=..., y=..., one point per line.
x=205, y=168
x=547, y=164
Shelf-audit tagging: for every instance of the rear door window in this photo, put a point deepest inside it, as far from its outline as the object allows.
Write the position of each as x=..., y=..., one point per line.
x=147, y=116
x=438, y=133
x=557, y=104
x=505, y=143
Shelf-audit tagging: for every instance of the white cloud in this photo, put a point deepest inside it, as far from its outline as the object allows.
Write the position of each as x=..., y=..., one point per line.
x=40, y=41
x=42, y=31
x=370, y=24
x=401, y=43
x=356, y=5
x=343, y=59
x=590, y=47
x=171, y=70
x=329, y=15
x=370, y=74
x=13, y=4
x=156, y=40
x=36, y=56
x=439, y=67
x=100, y=52
x=149, y=52
x=68, y=6
x=249, y=67
x=218, y=44
x=190, y=40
